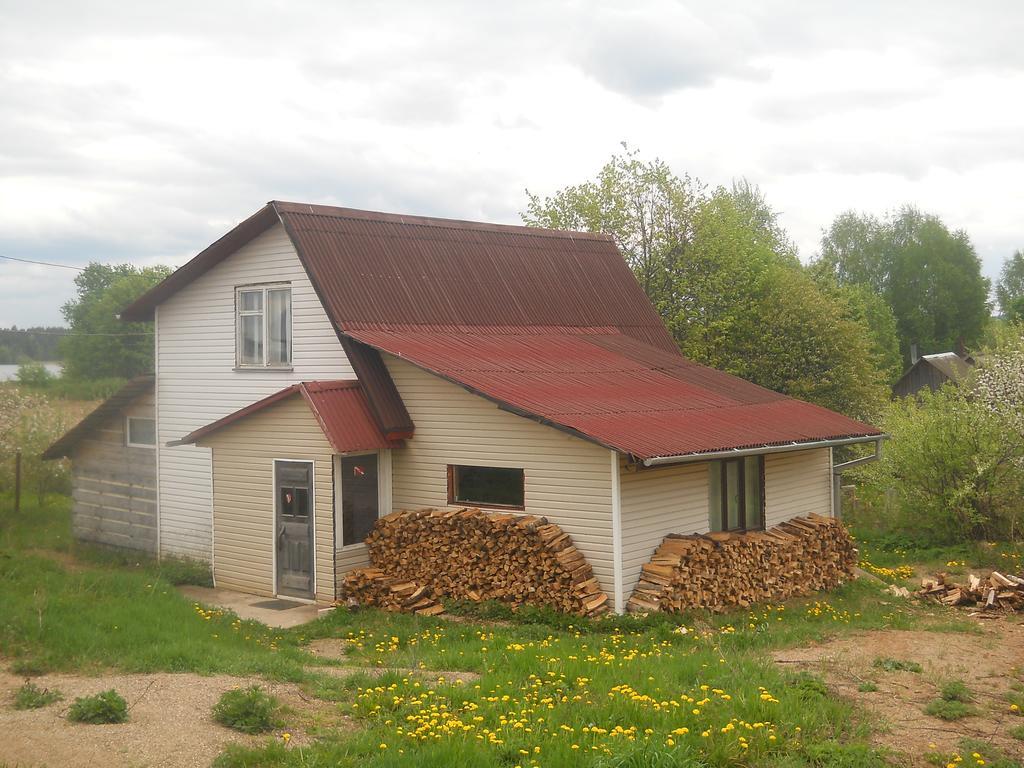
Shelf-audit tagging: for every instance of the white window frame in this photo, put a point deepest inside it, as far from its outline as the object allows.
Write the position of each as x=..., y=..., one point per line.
x=128, y=432
x=240, y=313
x=383, y=492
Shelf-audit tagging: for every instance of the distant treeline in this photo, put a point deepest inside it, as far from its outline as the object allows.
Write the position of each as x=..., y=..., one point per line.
x=19, y=344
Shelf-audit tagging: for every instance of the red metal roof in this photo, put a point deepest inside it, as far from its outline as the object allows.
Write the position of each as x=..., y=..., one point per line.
x=614, y=390
x=339, y=406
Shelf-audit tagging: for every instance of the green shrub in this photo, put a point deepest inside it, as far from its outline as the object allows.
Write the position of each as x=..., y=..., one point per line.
x=1018, y=732
x=31, y=696
x=105, y=707
x=867, y=687
x=897, y=665
x=955, y=690
x=945, y=709
x=248, y=710
x=33, y=374
x=808, y=686
x=954, y=467
x=85, y=389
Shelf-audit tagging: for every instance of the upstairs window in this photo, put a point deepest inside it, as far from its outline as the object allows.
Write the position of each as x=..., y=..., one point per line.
x=264, y=327
x=736, y=494
x=486, y=486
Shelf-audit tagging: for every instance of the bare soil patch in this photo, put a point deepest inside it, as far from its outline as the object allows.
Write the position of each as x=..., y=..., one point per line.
x=989, y=663
x=170, y=721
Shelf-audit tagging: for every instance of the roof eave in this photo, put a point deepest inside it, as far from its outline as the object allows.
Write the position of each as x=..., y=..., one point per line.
x=731, y=453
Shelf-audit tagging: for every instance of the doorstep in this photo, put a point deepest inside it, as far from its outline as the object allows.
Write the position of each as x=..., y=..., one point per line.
x=274, y=612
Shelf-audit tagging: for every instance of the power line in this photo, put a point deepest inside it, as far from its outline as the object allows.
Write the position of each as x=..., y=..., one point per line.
x=70, y=333
x=42, y=263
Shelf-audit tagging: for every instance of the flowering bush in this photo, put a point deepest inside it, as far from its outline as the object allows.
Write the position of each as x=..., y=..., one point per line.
x=955, y=463
x=30, y=422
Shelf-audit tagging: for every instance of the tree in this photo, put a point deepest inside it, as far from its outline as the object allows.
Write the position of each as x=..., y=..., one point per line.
x=646, y=208
x=1010, y=287
x=724, y=275
x=98, y=344
x=930, y=277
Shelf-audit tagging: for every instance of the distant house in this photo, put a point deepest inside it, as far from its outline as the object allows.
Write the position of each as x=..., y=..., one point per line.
x=318, y=367
x=932, y=371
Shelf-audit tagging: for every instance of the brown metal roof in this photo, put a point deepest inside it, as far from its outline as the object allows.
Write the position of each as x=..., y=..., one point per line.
x=373, y=269
x=340, y=407
x=109, y=407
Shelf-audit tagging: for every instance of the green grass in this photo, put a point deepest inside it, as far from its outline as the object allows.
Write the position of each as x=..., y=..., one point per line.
x=956, y=690
x=249, y=710
x=1017, y=732
x=31, y=696
x=867, y=687
x=695, y=690
x=897, y=665
x=106, y=707
x=949, y=710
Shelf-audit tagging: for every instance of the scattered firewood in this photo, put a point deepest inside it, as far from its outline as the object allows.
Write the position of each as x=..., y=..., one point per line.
x=719, y=571
x=467, y=554
x=998, y=594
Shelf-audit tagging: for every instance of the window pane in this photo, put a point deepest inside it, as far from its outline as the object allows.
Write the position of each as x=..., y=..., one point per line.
x=279, y=326
x=250, y=301
x=732, y=483
x=752, y=479
x=251, y=343
x=359, y=502
x=715, y=495
x=487, y=486
x=141, y=431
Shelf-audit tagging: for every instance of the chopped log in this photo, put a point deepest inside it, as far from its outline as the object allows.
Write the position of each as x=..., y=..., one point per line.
x=720, y=571
x=467, y=554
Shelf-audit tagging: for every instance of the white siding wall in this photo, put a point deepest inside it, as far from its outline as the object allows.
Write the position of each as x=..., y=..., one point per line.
x=796, y=484
x=656, y=502
x=197, y=383
x=568, y=480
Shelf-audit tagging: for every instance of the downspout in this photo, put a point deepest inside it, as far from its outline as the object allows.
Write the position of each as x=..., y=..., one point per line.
x=837, y=475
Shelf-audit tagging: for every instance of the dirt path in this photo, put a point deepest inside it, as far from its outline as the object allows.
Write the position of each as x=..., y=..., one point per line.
x=170, y=722
x=989, y=663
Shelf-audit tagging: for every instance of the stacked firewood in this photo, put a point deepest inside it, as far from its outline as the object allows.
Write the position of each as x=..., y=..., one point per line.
x=999, y=593
x=719, y=571
x=373, y=587
x=467, y=554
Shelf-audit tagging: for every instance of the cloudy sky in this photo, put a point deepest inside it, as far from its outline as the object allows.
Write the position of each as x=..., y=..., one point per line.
x=141, y=131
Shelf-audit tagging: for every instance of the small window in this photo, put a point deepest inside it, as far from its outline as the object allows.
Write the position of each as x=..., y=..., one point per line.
x=141, y=432
x=264, y=327
x=736, y=494
x=486, y=486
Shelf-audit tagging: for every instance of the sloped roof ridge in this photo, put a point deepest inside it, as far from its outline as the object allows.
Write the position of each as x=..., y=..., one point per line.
x=358, y=214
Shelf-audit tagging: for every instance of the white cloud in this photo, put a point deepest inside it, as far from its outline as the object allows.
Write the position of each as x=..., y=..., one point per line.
x=142, y=131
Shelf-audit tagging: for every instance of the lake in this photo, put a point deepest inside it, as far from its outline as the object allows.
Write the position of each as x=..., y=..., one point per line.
x=8, y=372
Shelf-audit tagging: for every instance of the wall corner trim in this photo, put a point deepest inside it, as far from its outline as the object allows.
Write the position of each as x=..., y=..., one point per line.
x=617, y=591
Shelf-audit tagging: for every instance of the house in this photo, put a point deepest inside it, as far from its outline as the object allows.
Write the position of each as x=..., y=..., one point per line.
x=932, y=371
x=318, y=367
x=113, y=469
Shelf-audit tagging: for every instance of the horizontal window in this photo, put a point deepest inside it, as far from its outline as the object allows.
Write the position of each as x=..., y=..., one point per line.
x=486, y=486
x=736, y=494
x=141, y=431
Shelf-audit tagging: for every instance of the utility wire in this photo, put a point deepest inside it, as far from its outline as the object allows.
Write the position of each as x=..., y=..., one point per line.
x=42, y=263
